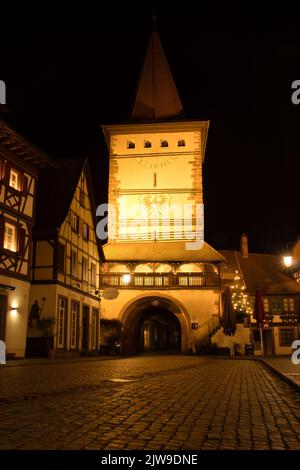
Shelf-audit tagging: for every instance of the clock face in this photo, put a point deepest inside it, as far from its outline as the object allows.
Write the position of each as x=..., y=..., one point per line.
x=155, y=163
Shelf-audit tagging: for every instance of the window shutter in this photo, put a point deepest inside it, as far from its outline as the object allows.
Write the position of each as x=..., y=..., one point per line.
x=2, y=228
x=61, y=257
x=22, y=237
x=24, y=185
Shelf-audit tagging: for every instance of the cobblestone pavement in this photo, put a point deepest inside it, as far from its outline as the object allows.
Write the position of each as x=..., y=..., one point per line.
x=168, y=402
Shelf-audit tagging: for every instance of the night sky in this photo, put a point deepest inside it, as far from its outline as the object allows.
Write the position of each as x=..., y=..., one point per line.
x=68, y=72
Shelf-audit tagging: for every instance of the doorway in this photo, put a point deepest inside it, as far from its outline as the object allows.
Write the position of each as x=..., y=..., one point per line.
x=85, y=328
x=268, y=342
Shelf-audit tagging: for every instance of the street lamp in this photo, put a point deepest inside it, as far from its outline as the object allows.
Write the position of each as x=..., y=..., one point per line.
x=287, y=257
x=288, y=261
x=126, y=278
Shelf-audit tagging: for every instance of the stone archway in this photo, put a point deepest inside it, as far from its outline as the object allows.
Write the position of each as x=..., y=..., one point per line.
x=159, y=310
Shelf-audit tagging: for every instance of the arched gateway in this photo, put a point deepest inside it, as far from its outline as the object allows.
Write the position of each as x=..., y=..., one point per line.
x=155, y=322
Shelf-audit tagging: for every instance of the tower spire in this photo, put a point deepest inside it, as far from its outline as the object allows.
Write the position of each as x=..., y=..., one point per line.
x=157, y=96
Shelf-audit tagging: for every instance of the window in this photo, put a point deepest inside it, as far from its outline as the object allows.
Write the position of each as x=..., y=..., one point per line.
x=86, y=231
x=147, y=144
x=74, y=325
x=10, y=237
x=276, y=306
x=81, y=198
x=61, y=322
x=73, y=263
x=286, y=336
x=84, y=269
x=266, y=305
x=130, y=144
x=14, y=179
x=74, y=222
x=61, y=257
x=164, y=143
x=93, y=274
x=95, y=315
x=181, y=143
x=288, y=305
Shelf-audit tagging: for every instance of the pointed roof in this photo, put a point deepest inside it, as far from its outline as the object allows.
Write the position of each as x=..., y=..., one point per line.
x=55, y=191
x=157, y=96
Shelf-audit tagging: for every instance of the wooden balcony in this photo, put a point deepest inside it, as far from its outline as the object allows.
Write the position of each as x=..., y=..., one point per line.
x=160, y=281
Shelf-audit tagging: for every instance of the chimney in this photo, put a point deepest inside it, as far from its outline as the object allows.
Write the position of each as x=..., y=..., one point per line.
x=244, y=245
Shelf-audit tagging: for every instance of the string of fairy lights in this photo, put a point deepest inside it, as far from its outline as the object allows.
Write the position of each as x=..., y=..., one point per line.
x=240, y=299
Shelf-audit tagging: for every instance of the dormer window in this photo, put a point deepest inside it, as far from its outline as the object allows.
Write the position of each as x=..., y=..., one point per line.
x=181, y=143
x=130, y=144
x=164, y=143
x=147, y=144
x=14, y=179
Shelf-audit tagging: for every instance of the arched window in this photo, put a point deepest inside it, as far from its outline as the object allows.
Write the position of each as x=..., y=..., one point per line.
x=143, y=268
x=118, y=268
x=181, y=143
x=191, y=268
x=164, y=143
x=164, y=268
x=147, y=144
x=130, y=144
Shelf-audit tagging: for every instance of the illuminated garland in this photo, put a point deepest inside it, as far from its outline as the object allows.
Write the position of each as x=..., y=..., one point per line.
x=240, y=300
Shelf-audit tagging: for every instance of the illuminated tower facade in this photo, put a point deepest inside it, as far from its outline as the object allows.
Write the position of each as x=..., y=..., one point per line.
x=160, y=276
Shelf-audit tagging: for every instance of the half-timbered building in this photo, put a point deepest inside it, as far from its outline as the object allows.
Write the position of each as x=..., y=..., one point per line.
x=281, y=300
x=66, y=261
x=20, y=162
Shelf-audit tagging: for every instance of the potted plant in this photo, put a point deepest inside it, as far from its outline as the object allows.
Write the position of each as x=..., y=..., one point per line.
x=46, y=326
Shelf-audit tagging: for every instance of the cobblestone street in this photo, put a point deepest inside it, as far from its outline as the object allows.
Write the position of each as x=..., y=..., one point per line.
x=148, y=402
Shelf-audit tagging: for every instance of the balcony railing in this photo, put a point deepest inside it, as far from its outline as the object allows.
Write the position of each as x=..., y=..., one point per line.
x=160, y=280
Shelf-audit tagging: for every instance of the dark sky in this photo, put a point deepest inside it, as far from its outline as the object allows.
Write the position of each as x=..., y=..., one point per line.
x=68, y=72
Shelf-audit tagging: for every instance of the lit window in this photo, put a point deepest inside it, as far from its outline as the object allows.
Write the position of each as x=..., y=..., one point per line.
x=130, y=145
x=147, y=144
x=85, y=232
x=266, y=305
x=288, y=305
x=14, y=179
x=181, y=143
x=164, y=143
x=10, y=237
x=75, y=222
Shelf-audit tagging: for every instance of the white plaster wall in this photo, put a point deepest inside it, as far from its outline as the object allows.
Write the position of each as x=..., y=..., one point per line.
x=16, y=320
x=198, y=306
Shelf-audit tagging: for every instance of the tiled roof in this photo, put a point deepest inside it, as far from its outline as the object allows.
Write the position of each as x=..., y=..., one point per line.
x=159, y=251
x=262, y=271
